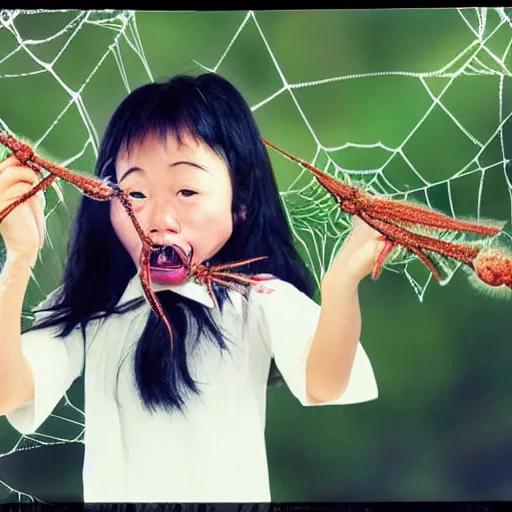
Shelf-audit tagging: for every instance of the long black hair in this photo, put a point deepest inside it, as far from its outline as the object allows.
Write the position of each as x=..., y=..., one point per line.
x=98, y=268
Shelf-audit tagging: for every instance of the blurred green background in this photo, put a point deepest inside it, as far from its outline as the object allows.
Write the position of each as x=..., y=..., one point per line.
x=434, y=88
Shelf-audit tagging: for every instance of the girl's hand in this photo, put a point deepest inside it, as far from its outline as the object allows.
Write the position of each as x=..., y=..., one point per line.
x=357, y=256
x=23, y=230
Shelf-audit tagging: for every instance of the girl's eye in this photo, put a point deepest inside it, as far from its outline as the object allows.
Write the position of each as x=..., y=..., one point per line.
x=187, y=193
x=137, y=195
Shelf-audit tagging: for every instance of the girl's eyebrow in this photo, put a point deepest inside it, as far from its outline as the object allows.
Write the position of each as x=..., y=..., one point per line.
x=131, y=170
x=186, y=162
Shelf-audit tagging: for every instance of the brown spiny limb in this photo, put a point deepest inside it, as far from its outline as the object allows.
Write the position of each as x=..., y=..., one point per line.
x=102, y=191
x=92, y=187
x=397, y=222
x=398, y=235
x=145, y=278
x=398, y=211
x=41, y=186
x=379, y=264
x=209, y=275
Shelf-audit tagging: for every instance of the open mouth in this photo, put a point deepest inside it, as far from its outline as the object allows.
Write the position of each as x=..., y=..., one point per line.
x=168, y=265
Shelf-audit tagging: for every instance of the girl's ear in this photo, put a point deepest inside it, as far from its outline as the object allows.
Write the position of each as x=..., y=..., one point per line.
x=241, y=215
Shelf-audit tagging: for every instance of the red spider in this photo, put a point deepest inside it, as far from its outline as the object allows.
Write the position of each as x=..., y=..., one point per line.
x=394, y=219
x=101, y=191
x=210, y=275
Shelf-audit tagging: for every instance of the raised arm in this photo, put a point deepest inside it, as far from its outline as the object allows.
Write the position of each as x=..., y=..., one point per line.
x=334, y=346
x=23, y=235
x=16, y=381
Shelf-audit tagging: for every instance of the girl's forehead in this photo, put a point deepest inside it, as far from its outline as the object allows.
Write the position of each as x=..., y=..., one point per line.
x=157, y=152
x=155, y=146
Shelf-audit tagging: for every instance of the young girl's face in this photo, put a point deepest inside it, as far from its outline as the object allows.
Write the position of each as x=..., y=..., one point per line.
x=181, y=194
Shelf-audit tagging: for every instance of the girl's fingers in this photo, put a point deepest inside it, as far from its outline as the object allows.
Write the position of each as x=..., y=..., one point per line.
x=15, y=181
x=365, y=257
x=9, y=162
x=13, y=175
x=37, y=207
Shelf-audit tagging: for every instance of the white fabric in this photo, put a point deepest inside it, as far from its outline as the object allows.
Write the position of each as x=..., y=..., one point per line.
x=216, y=451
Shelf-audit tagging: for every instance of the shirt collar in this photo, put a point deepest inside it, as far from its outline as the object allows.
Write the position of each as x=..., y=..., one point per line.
x=189, y=289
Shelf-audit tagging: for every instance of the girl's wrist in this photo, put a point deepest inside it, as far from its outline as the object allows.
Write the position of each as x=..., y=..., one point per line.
x=334, y=283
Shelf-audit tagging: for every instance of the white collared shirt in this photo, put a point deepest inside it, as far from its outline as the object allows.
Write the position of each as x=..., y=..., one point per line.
x=214, y=453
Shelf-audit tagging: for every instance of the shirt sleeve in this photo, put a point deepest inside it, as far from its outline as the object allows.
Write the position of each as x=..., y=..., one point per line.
x=288, y=319
x=55, y=363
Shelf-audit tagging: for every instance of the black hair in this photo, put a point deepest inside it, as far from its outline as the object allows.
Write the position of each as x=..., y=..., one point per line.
x=98, y=268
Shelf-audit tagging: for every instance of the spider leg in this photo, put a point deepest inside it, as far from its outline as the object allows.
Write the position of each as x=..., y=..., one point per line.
x=249, y=281
x=204, y=275
x=92, y=187
x=395, y=211
x=211, y=292
x=96, y=189
x=215, y=275
x=237, y=263
x=232, y=286
x=388, y=247
x=334, y=186
x=145, y=278
x=236, y=287
x=144, y=268
x=392, y=211
x=127, y=205
x=41, y=186
x=396, y=235
x=426, y=261
x=401, y=236
x=144, y=265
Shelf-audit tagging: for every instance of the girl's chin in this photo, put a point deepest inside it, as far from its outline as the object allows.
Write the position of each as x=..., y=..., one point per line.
x=168, y=276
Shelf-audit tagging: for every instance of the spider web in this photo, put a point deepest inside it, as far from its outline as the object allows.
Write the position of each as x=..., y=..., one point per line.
x=353, y=125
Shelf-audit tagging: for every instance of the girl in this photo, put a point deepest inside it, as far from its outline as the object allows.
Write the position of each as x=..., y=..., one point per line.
x=187, y=424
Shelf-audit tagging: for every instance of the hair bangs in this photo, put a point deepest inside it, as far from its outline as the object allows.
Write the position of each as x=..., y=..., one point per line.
x=98, y=267
x=176, y=110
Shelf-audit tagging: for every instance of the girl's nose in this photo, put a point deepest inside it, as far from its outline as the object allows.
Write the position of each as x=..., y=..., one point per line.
x=164, y=219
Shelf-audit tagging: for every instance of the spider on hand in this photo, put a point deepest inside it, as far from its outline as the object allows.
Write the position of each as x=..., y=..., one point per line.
x=394, y=220
x=102, y=191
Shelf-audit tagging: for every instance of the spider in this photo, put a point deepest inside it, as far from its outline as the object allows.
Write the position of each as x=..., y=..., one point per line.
x=102, y=191
x=394, y=220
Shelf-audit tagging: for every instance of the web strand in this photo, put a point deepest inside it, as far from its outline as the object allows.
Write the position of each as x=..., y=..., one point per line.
x=318, y=226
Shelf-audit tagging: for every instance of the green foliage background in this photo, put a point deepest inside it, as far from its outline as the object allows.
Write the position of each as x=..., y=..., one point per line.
x=441, y=428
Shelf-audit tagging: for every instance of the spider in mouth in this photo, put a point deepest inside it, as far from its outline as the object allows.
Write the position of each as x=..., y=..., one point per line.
x=168, y=264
